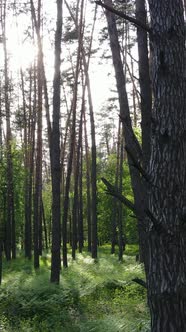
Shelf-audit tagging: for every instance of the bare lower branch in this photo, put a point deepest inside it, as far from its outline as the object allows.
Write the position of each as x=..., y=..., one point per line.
x=140, y=282
x=137, y=164
x=113, y=191
x=133, y=20
x=132, y=58
x=132, y=216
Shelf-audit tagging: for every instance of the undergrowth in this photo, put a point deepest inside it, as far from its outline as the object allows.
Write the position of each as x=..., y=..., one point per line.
x=92, y=296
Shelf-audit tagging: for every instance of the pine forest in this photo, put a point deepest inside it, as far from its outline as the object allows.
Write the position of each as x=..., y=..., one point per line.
x=92, y=166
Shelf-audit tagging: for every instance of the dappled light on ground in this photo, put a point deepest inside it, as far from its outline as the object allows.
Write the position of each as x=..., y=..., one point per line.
x=92, y=296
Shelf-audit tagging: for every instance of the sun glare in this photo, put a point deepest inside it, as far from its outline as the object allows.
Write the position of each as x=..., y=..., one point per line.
x=21, y=54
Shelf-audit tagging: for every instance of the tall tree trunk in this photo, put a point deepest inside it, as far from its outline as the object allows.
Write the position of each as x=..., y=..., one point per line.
x=80, y=224
x=93, y=164
x=45, y=227
x=26, y=141
x=87, y=156
x=130, y=139
x=115, y=201
x=77, y=233
x=75, y=202
x=166, y=276
x=55, y=154
x=146, y=107
x=93, y=227
x=144, y=80
x=79, y=160
x=72, y=140
x=120, y=205
x=38, y=169
x=42, y=68
x=134, y=94
x=10, y=241
x=93, y=174
x=32, y=125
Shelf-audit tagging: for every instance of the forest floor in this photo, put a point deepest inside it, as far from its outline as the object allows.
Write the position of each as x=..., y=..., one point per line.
x=92, y=296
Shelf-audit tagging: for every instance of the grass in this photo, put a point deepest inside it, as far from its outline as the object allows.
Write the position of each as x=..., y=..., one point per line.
x=92, y=296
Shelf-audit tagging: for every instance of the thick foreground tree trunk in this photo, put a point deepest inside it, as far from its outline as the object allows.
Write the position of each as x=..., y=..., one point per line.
x=166, y=277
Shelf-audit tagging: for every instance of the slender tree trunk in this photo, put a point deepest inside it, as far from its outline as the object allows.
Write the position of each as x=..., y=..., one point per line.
x=38, y=169
x=27, y=230
x=130, y=139
x=77, y=216
x=42, y=68
x=93, y=165
x=107, y=144
x=115, y=201
x=87, y=156
x=120, y=205
x=32, y=125
x=72, y=141
x=93, y=176
x=75, y=203
x=135, y=120
x=145, y=83
x=45, y=227
x=55, y=154
x=40, y=230
x=79, y=158
x=80, y=225
x=93, y=219
x=10, y=240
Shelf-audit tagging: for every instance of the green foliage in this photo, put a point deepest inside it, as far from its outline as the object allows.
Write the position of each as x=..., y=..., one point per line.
x=91, y=297
x=107, y=169
x=36, y=303
x=137, y=132
x=18, y=185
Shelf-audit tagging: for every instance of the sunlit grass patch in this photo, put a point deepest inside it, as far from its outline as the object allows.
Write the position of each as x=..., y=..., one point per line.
x=92, y=296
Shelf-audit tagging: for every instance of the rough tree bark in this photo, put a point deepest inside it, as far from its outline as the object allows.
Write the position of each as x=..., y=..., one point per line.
x=55, y=154
x=166, y=276
x=144, y=80
x=165, y=262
